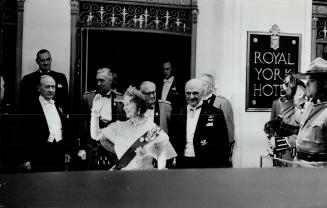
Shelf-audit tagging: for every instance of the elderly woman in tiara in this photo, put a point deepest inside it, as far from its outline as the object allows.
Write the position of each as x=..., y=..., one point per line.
x=137, y=141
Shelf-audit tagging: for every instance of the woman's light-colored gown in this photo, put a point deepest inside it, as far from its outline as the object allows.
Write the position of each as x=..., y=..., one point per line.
x=123, y=134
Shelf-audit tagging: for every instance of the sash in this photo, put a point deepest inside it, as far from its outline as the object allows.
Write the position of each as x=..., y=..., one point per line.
x=128, y=156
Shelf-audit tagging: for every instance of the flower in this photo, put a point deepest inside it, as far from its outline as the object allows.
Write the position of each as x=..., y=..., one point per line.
x=140, y=151
x=152, y=134
x=203, y=142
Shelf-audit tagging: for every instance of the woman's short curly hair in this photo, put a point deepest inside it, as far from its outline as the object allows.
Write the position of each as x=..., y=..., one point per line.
x=138, y=98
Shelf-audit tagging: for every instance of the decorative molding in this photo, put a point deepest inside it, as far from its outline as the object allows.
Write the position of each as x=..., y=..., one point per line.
x=20, y=5
x=319, y=9
x=321, y=27
x=74, y=7
x=74, y=3
x=144, y=17
x=8, y=15
x=164, y=2
x=274, y=38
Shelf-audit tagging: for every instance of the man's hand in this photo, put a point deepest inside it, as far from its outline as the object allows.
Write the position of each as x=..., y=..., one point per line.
x=27, y=166
x=82, y=154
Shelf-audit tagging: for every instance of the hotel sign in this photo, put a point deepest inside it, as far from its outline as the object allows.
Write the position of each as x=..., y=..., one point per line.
x=270, y=55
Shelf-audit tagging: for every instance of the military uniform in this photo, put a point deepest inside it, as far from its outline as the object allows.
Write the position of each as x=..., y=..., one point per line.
x=311, y=141
x=96, y=157
x=222, y=103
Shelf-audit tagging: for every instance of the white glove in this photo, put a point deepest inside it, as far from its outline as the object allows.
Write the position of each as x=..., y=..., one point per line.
x=27, y=166
x=97, y=105
x=82, y=154
x=95, y=132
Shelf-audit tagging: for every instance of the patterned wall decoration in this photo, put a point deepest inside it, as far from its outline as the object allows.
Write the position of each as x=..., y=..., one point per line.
x=320, y=17
x=136, y=17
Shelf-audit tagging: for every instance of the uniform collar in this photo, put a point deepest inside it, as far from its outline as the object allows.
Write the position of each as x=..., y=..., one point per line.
x=208, y=96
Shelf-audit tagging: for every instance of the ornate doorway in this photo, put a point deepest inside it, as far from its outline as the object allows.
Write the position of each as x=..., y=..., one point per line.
x=133, y=39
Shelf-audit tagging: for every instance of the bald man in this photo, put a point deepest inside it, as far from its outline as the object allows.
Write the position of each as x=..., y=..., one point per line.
x=158, y=110
x=198, y=132
x=44, y=140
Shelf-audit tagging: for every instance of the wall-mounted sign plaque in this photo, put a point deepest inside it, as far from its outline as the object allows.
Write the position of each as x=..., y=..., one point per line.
x=270, y=55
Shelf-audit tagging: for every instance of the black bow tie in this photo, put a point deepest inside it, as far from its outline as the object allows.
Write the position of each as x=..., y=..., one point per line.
x=193, y=109
x=45, y=73
x=107, y=95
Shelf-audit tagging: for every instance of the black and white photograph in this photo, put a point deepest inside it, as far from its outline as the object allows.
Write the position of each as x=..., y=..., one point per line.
x=163, y=103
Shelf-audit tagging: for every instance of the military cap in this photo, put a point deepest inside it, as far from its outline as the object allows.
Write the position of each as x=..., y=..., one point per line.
x=316, y=69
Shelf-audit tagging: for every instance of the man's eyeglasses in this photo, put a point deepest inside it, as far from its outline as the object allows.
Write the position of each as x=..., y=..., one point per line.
x=149, y=93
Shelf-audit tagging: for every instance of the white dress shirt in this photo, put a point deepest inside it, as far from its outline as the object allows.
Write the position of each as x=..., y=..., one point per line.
x=53, y=119
x=150, y=114
x=191, y=122
x=166, y=86
x=106, y=110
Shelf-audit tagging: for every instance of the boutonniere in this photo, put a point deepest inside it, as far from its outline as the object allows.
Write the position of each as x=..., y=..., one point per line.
x=60, y=110
x=140, y=151
x=59, y=86
x=157, y=114
x=173, y=88
x=203, y=142
x=210, y=118
x=151, y=134
x=209, y=124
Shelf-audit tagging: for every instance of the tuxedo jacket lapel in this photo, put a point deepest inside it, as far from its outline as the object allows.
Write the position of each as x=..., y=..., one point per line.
x=156, y=113
x=200, y=124
x=113, y=107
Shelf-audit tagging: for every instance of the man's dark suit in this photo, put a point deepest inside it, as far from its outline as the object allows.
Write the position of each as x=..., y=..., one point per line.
x=86, y=142
x=210, y=138
x=34, y=147
x=30, y=82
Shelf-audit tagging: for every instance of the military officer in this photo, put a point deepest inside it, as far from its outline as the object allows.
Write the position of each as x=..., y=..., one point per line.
x=111, y=110
x=221, y=103
x=311, y=142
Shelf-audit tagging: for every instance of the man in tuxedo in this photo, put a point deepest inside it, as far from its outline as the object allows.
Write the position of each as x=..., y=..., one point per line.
x=220, y=102
x=30, y=82
x=44, y=143
x=198, y=132
x=169, y=88
x=158, y=110
x=112, y=109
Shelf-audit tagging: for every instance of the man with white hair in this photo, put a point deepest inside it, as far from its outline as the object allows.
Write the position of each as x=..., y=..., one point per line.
x=311, y=142
x=220, y=102
x=111, y=110
x=198, y=132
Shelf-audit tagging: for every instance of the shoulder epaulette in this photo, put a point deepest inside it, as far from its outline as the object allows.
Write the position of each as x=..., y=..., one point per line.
x=117, y=93
x=220, y=96
x=164, y=101
x=88, y=92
